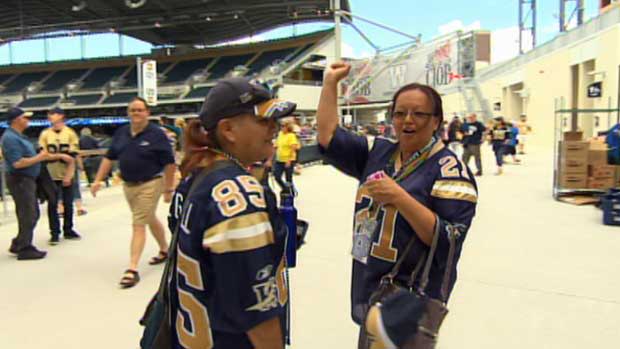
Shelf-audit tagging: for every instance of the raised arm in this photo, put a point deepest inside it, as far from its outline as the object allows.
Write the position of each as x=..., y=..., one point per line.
x=327, y=111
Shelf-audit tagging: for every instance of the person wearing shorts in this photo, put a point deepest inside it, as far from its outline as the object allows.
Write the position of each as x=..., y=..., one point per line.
x=147, y=166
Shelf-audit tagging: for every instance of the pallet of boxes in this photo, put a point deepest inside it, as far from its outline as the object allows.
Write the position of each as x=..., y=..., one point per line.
x=583, y=164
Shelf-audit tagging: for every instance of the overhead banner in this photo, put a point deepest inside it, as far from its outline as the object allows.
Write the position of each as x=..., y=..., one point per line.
x=149, y=81
x=438, y=63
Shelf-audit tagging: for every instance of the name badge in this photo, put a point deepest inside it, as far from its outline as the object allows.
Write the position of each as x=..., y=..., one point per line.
x=362, y=240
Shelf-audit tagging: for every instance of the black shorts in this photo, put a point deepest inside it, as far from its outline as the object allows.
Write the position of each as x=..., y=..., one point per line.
x=510, y=150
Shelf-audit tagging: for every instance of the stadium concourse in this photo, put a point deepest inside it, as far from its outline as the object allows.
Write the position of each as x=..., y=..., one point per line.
x=527, y=279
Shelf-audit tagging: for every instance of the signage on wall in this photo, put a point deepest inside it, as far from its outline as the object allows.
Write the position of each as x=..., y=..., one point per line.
x=149, y=81
x=595, y=90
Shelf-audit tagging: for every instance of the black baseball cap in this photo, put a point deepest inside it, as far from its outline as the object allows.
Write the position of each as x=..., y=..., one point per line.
x=57, y=111
x=16, y=112
x=233, y=96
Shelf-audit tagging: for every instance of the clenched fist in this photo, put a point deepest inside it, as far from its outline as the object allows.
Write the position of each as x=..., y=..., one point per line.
x=336, y=72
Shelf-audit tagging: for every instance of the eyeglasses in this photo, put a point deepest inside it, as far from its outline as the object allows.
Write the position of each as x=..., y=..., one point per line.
x=401, y=114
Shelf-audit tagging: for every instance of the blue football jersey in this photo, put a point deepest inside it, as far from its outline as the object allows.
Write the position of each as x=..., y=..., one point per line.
x=442, y=183
x=230, y=270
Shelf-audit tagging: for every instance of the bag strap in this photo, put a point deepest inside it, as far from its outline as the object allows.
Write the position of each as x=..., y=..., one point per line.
x=172, y=249
x=428, y=261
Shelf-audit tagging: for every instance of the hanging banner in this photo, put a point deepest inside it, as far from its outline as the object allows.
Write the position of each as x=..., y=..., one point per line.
x=149, y=82
x=438, y=63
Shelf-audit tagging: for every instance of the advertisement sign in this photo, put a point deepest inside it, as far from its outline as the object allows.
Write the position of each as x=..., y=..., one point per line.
x=149, y=81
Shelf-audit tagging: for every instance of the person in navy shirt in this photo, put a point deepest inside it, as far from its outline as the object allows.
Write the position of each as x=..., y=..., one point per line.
x=423, y=191
x=23, y=166
x=147, y=167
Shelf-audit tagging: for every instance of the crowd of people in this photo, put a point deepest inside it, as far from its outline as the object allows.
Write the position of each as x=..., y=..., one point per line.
x=415, y=203
x=466, y=137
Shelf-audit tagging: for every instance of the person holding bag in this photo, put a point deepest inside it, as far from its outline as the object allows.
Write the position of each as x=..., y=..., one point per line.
x=227, y=287
x=413, y=193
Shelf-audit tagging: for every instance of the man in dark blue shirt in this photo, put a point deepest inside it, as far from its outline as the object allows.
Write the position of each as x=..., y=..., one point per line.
x=147, y=167
x=473, y=131
x=23, y=165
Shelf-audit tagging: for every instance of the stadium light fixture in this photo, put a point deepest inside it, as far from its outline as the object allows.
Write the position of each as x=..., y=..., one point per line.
x=134, y=4
x=79, y=6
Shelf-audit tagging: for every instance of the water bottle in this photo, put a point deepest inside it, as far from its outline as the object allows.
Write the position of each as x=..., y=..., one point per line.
x=289, y=214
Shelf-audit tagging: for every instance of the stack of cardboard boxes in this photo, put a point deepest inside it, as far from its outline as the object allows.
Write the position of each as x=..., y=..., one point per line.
x=583, y=164
x=600, y=174
x=573, y=161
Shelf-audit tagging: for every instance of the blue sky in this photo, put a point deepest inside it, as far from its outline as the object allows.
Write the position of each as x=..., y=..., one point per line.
x=410, y=16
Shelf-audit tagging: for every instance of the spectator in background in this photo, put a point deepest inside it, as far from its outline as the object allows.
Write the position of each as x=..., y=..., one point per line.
x=524, y=130
x=512, y=142
x=443, y=132
x=455, y=136
x=23, y=165
x=145, y=156
x=473, y=131
x=500, y=135
x=61, y=139
x=91, y=163
x=287, y=145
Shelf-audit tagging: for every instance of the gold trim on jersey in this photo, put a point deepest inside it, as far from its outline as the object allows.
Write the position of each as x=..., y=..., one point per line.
x=242, y=233
x=455, y=190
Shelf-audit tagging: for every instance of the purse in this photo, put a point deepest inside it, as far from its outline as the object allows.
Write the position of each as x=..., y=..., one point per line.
x=157, y=318
x=404, y=317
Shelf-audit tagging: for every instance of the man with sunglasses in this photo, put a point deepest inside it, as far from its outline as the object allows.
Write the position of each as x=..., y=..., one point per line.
x=147, y=165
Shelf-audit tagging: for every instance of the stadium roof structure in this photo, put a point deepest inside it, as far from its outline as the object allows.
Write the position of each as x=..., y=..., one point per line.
x=160, y=22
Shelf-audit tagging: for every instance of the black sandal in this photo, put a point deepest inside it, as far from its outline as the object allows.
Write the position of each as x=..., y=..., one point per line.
x=160, y=258
x=130, y=278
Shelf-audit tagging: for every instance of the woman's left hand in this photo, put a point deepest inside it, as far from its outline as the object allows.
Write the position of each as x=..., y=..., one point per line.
x=385, y=191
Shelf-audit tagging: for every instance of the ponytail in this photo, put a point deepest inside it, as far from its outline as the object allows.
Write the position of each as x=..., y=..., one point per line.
x=197, y=142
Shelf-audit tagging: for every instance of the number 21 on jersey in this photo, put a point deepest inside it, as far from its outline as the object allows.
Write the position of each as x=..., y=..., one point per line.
x=383, y=247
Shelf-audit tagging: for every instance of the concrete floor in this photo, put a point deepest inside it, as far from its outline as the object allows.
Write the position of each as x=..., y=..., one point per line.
x=534, y=273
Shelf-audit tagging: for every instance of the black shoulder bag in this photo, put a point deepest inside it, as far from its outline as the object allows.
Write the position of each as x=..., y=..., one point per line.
x=410, y=317
x=156, y=319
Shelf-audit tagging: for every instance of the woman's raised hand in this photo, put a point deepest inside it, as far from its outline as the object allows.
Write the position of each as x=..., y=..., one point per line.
x=336, y=72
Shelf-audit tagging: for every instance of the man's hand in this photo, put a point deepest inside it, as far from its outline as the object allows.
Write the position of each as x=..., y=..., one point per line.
x=94, y=188
x=336, y=72
x=385, y=191
x=66, y=182
x=287, y=164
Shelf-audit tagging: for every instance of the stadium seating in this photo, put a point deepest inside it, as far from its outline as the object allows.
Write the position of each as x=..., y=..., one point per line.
x=184, y=69
x=226, y=64
x=120, y=98
x=199, y=92
x=270, y=57
x=61, y=78
x=101, y=76
x=23, y=81
x=4, y=78
x=85, y=99
x=39, y=102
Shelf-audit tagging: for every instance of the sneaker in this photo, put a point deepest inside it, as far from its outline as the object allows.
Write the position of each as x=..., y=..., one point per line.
x=54, y=240
x=30, y=253
x=478, y=174
x=72, y=235
x=499, y=172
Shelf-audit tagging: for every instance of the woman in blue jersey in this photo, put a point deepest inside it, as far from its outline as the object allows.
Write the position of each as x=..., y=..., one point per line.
x=229, y=289
x=423, y=190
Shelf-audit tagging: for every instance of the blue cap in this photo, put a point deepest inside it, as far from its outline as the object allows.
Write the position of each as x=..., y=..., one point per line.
x=15, y=112
x=57, y=111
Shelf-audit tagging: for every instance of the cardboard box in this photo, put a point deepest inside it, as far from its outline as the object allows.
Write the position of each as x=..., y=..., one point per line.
x=603, y=184
x=596, y=144
x=602, y=171
x=574, y=166
x=573, y=136
x=574, y=150
x=597, y=157
x=573, y=181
